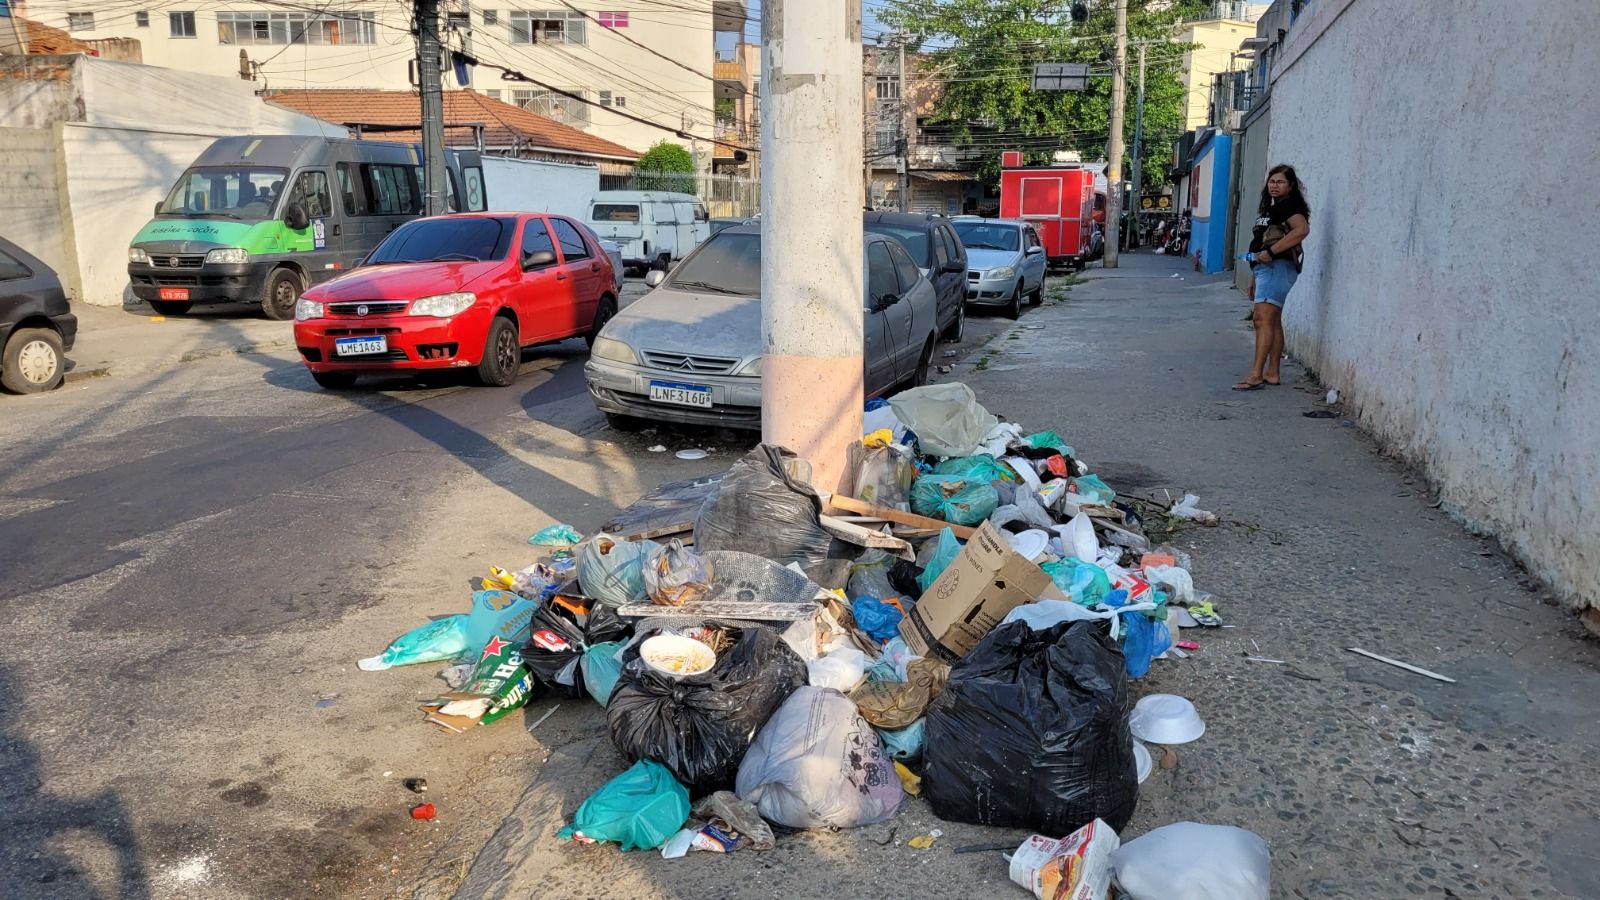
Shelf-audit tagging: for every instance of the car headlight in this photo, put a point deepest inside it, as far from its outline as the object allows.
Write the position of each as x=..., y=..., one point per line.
x=443, y=306
x=228, y=255
x=1003, y=272
x=614, y=350
x=752, y=369
x=307, y=309
x=137, y=255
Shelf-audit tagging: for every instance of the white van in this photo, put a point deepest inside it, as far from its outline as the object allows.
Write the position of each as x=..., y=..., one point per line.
x=654, y=227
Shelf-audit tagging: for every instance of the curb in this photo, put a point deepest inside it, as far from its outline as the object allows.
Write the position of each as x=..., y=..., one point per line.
x=113, y=369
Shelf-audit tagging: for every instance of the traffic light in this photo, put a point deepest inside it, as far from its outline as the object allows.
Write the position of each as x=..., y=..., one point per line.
x=1080, y=11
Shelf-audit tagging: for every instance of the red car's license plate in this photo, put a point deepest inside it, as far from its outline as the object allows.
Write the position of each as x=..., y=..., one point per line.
x=174, y=293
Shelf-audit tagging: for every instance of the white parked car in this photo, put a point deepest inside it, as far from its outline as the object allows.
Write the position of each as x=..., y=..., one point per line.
x=654, y=228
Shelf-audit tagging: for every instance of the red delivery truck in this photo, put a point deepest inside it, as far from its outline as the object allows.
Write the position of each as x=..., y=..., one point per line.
x=1057, y=200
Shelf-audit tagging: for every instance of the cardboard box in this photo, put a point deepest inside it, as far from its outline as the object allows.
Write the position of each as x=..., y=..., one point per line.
x=986, y=581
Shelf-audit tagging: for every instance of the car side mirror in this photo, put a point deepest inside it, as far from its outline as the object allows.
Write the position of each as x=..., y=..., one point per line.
x=883, y=302
x=159, y=204
x=1035, y=251
x=538, y=259
x=296, y=217
x=654, y=277
x=955, y=265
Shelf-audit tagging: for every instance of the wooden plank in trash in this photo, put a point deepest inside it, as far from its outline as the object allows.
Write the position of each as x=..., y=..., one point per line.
x=724, y=609
x=862, y=536
x=851, y=504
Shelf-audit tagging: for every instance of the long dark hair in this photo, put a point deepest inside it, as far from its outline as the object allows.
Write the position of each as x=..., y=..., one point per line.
x=1295, y=190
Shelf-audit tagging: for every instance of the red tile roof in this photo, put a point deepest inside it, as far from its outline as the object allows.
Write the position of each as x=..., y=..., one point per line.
x=44, y=40
x=502, y=122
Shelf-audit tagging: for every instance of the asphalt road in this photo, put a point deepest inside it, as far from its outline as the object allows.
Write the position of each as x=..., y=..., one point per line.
x=192, y=560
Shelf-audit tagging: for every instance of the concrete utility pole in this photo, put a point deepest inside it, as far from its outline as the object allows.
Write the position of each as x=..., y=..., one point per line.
x=902, y=148
x=811, y=261
x=1119, y=85
x=429, y=50
x=1138, y=139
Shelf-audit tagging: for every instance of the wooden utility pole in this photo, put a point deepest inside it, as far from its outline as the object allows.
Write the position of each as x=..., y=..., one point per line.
x=1119, y=86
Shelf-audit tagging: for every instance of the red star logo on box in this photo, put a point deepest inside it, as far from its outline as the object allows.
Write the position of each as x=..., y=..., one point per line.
x=494, y=646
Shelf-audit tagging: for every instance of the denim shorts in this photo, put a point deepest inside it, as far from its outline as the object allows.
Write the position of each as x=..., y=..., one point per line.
x=1273, y=281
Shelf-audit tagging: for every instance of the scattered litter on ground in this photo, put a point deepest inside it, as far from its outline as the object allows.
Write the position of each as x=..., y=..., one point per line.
x=1320, y=414
x=1333, y=396
x=423, y=811
x=657, y=448
x=416, y=785
x=691, y=454
x=1402, y=665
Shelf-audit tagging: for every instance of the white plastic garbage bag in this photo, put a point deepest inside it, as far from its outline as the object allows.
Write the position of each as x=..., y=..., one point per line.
x=817, y=763
x=1191, y=861
x=946, y=418
x=1178, y=583
x=1001, y=437
x=841, y=670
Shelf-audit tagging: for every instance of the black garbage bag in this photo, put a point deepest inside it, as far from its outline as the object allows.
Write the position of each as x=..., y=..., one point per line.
x=1032, y=732
x=758, y=508
x=699, y=726
x=556, y=642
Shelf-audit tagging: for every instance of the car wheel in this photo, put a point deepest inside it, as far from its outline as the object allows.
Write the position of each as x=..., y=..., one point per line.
x=603, y=313
x=283, y=291
x=502, y=354
x=32, y=362
x=662, y=263
x=924, y=364
x=1014, y=305
x=170, y=307
x=334, y=381
x=624, y=423
x=1037, y=297
x=958, y=328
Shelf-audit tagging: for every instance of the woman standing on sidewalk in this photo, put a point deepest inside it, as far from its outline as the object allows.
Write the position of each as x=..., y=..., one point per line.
x=1282, y=223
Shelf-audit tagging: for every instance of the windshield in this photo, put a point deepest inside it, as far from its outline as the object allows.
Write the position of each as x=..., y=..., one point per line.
x=472, y=239
x=728, y=263
x=987, y=236
x=615, y=212
x=243, y=192
x=913, y=237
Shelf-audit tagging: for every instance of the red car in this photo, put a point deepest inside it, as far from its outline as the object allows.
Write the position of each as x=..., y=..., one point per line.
x=457, y=292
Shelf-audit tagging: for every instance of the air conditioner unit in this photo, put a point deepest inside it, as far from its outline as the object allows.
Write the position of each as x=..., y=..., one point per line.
x=1235, y=120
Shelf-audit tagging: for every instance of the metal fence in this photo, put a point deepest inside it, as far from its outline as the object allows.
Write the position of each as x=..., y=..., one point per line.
x=725, y=196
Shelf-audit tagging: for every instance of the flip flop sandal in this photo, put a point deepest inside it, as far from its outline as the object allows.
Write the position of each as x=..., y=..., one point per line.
x=1247, y=386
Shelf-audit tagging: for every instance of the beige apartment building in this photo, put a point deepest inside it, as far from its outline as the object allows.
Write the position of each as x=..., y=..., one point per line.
x=1218, y=38
x=624, y=60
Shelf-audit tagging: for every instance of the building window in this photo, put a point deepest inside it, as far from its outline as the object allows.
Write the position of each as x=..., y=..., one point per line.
x=552, y=105
x=458, y=22
x=267, y=28
x=549, y=27
x=141, y=19
x=491, y=17
x=492, y=94
x=609, y=99
x=888, y=87
x=612, y=19
x=620, y=101
x=182, y=24
x=80, y=21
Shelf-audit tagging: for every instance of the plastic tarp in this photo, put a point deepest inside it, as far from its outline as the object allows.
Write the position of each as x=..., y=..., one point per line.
x=946, y=418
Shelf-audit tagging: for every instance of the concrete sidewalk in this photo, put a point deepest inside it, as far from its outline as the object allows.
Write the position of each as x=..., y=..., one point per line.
x=1369, y=781
x=125, y=341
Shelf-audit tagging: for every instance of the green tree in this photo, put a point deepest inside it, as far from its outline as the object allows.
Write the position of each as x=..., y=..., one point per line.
x=982, y=53
x=666, y=167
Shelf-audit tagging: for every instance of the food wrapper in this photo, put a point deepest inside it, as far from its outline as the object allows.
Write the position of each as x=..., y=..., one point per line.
x=1076, y=867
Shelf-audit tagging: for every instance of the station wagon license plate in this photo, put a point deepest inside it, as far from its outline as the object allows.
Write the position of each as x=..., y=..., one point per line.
x=174, y=293
x=360, y=346
x=680, y=394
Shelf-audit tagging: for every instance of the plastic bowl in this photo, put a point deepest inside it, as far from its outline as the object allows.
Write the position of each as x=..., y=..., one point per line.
x=1141, y=757
x=1030, y=544
x=1165, y=719
x=677, y=656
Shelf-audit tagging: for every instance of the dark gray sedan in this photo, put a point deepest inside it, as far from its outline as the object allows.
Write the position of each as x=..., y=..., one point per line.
x=37, y=326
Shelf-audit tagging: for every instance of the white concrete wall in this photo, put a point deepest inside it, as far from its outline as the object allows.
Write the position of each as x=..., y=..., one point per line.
x=1449, y=290
x=30, y=204
x=128, y=95
x=522, y=185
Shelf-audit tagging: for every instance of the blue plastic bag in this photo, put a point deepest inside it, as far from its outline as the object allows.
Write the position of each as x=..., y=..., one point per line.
x=601, y=668
x=953, y=498
x=638, y=809
x=1143, y=638
x=500, y=614
x=981, y=467
x=557, y=535
x=881, y=621
x=904, y=744
x=1083, y=583
x=1094, y=491
x=944, y=554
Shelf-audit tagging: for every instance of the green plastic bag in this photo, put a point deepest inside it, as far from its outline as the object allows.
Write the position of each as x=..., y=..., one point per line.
x=638, y=809
x=1094, y=491
x=558, y=535
x=1085, y=583
x=982, y=467
x=943, y=555
x=1051, y=440
x=601, y=669
x=958, y=500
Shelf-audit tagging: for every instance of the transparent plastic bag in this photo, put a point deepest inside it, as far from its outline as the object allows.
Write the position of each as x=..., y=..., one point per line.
x=946, y=418
x=674, y=575
x=880, y=475
x=612, y=570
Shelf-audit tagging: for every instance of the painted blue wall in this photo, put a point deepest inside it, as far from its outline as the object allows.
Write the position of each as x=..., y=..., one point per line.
x=1210, y=233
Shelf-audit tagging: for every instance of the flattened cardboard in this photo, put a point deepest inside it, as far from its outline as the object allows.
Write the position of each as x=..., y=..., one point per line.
x=986, y=581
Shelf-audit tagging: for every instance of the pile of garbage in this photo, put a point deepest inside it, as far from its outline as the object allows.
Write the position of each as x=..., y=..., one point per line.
x=960, y=620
